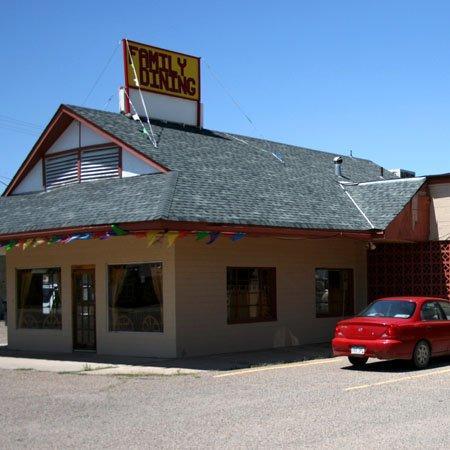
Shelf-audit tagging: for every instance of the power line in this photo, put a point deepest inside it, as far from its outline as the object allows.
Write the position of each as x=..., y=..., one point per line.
x=101, y=74
x=19, y=130
x=20, y=122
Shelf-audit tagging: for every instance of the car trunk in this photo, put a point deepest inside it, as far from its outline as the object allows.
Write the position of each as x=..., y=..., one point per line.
x=365, y=328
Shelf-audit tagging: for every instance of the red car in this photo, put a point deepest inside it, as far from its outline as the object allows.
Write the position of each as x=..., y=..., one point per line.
x=414, y=328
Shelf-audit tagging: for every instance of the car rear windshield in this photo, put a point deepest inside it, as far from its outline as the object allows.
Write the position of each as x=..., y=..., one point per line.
x=389, y=308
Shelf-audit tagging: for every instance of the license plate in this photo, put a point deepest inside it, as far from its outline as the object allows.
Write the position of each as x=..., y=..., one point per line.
x=357, y=350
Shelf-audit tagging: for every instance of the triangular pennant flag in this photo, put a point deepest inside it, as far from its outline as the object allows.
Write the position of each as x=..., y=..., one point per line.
x=118, y=231
x=213, y=236
x=182, y=234
x=171, y=237
x=10, y=245
x=144, y=130
x=54, y=240
x=201, y=235
x=238, y=236
x=152, y=237
x=75, y=237
x=85, y=237
x=38, y=242
x=27, y=244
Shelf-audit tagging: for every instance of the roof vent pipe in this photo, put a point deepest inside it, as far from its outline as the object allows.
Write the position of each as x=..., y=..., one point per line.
x=338, y=165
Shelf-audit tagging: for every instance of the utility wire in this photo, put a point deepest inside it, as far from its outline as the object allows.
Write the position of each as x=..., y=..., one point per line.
x=275, y=154
x=101, y=74
x=13, y=121
x=19, y=130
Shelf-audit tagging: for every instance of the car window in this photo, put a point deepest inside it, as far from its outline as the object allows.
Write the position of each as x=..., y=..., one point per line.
x=431, y=311
x=398, y=309
x=446, y=308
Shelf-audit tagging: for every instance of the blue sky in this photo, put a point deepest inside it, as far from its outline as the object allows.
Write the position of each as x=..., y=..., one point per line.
x=368, y=76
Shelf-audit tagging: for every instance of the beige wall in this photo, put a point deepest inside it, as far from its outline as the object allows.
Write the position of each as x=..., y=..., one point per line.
x=440, y=212
x=99, y=253
x=195, y=274
x=201, y=291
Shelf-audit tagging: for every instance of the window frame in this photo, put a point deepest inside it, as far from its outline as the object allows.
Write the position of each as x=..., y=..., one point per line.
x=353, y=297
x=108, y=320
x=16, y=299
x=78, y=151
x=273, y=302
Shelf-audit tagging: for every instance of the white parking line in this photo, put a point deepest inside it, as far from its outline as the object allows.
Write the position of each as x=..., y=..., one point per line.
x=397, y=380
x=277, y=367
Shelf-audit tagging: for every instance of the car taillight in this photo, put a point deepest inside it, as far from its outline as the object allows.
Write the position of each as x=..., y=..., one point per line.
x=390, y=332
x=338, y=331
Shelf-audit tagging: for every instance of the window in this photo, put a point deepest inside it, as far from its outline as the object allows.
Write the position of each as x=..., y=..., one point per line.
x=39, y=298
x=389, y=308
x=81, y=165
x=135, y=297
x=446, y=308
x=251, y=294
x=431, y=311
x=334, y=292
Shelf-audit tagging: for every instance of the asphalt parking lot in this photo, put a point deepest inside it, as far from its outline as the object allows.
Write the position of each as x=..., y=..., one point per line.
x=314, y=404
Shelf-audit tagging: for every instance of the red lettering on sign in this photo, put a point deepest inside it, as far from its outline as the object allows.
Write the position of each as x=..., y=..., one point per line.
x=158, y=71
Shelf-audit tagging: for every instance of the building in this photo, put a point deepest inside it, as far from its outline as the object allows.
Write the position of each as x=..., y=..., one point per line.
x=176, y=240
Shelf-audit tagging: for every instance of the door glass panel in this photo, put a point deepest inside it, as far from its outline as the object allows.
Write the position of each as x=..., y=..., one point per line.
x=84, y=309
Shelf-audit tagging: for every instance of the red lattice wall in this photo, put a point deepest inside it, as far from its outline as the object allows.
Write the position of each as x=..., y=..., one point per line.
x=409, y=269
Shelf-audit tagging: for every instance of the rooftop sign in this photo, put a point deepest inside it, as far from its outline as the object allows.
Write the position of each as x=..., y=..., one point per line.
x=162, y=71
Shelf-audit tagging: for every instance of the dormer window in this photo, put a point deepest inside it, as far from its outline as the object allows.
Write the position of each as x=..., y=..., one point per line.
x=81, y=165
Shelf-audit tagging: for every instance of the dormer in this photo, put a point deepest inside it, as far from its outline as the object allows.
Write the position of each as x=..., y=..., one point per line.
x=73, y=150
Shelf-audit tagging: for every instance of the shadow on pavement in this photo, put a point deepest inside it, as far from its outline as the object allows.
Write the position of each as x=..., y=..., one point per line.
x=219, y=362
x=398, y=366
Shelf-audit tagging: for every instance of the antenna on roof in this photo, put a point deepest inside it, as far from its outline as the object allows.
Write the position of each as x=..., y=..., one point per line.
x=351, y=153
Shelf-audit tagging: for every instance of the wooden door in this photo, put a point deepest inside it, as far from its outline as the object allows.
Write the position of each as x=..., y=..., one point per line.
x=83, y=300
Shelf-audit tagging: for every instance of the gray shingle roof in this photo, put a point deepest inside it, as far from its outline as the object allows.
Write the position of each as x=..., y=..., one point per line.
x=94, y=203
x=381, y=201
x=221, y=178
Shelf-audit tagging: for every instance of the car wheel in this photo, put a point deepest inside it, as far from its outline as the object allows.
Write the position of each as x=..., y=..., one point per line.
x=357, y=361
x=421, y=355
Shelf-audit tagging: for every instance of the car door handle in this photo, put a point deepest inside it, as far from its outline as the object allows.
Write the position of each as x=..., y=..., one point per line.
x=429, y=327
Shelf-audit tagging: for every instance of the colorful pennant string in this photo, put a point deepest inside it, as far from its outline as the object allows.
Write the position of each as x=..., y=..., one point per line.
x=39, y=241
x=152, y=237
x=213, y=236
x=10, y=245
x=26, y=244
x=201, y=235
x=118, y=231
x=171, y=237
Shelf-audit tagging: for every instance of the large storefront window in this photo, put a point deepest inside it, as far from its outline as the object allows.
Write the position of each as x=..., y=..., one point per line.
x=334, y=292
x=251, y=294
x=135, y=297
x=39, y=298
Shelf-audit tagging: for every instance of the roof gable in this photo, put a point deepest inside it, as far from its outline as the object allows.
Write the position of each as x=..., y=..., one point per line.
x=56, y=132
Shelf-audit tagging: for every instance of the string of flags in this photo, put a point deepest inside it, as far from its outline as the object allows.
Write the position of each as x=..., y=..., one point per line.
x=151, y=237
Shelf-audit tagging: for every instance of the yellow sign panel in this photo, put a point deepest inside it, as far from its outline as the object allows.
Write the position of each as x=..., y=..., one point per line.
x=162, y=71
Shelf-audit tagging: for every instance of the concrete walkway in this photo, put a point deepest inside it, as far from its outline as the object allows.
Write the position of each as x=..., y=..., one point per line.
x=93, y=364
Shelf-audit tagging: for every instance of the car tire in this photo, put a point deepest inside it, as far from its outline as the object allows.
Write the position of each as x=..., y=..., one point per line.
x=421, y=355
x=357, y=361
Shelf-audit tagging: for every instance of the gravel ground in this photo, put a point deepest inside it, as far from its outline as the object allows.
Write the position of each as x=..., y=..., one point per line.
x=305, y=405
